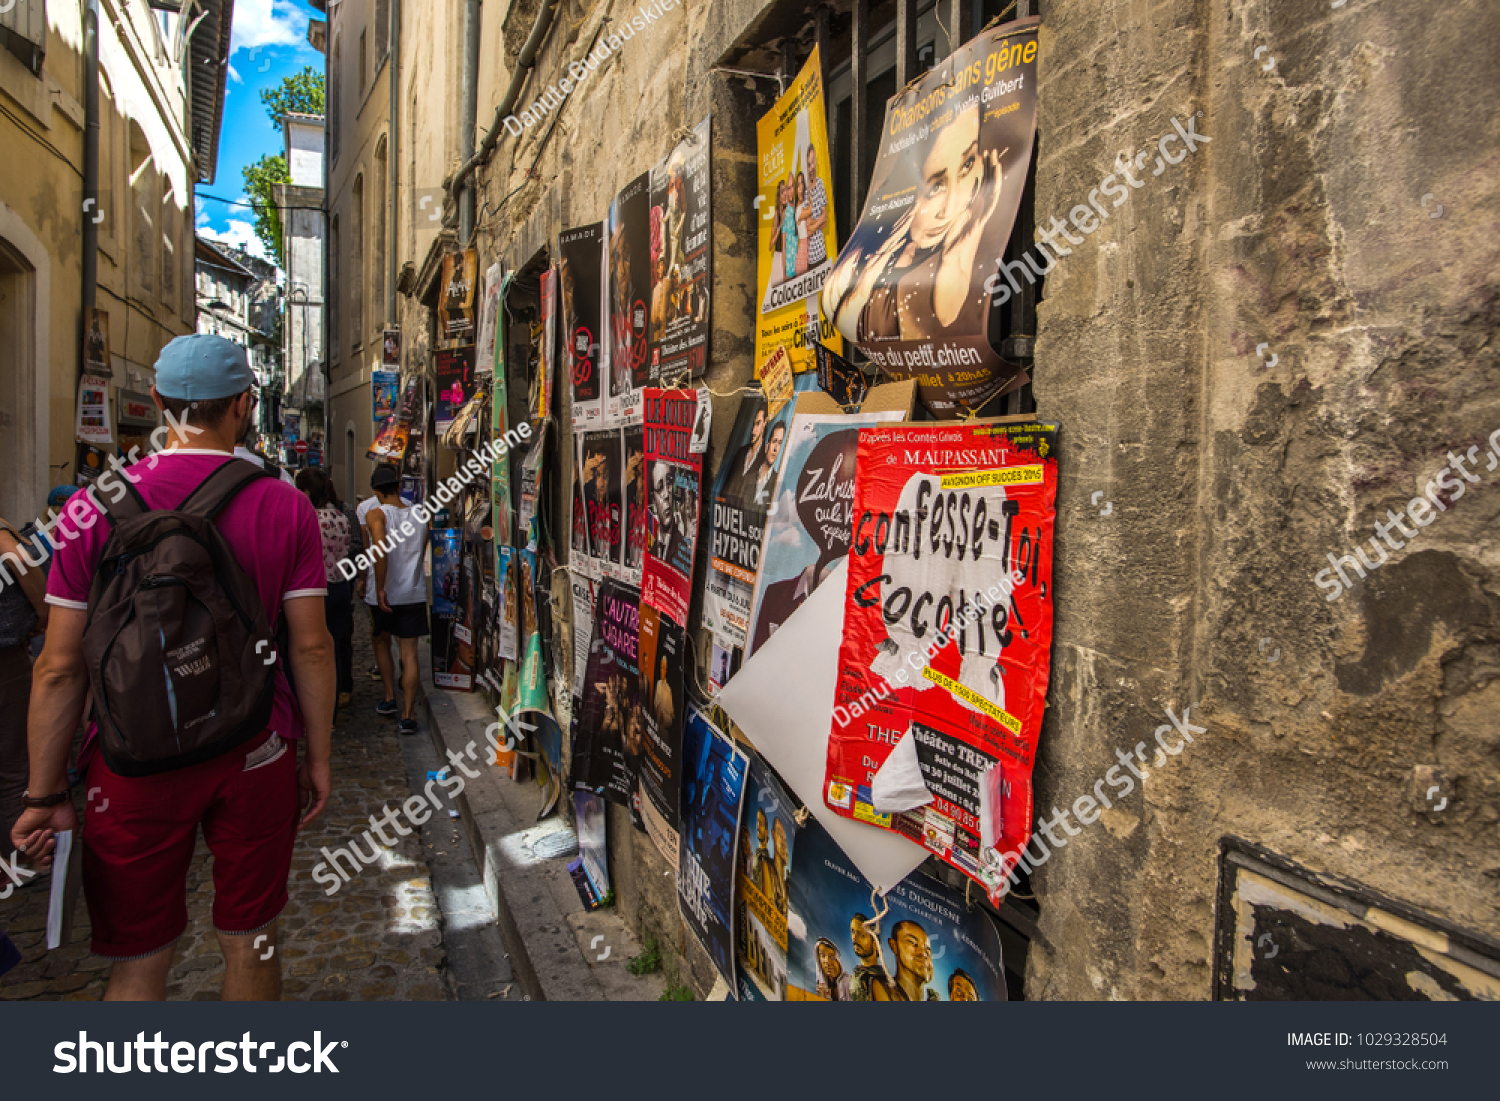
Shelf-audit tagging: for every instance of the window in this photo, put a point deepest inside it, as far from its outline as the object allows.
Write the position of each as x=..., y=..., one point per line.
x=357, y=263
x=335, y=79
x=377, y=240
x=23, y=31
x=382, y=30
x=169, y=253
x=142, y=258
x=336, y=289
x=363, y=68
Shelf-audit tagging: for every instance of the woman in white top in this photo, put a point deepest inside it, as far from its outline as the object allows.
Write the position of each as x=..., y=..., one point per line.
x=398, y=592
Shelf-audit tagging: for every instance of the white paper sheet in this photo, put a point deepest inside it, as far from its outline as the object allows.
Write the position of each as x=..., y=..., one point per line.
x=899, y=786
x=782, y=699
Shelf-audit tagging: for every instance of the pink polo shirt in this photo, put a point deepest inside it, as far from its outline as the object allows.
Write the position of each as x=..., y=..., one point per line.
x=271, y=527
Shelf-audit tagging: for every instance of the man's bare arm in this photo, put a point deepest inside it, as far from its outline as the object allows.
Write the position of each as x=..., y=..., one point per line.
x=312, y=664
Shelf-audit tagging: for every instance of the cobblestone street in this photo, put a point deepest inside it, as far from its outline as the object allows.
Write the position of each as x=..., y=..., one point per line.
x=378, y=937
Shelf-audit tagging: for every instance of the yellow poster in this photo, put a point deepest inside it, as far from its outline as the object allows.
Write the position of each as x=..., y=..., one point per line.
x=797, y=238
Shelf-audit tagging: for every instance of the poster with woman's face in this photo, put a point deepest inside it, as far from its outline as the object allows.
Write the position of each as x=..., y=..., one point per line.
x=795, y=240
x=913, y=287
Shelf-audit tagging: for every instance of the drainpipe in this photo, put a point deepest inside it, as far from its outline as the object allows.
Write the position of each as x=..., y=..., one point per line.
x=90, y=155
x=470, y=116
x=519, y=71
x=393, y=162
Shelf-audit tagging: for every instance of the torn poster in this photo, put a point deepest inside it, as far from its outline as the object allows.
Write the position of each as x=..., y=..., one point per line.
x=947, y=635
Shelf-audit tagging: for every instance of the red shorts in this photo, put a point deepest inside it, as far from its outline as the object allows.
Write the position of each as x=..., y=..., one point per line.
x=140, y=832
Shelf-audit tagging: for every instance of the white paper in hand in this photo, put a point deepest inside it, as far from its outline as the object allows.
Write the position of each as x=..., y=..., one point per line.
x=783, y=700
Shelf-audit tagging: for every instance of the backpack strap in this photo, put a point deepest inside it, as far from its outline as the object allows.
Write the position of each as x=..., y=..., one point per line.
x=131, y=505
x=215, y=492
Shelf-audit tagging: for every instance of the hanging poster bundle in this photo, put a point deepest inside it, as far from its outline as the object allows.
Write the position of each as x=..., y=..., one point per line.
x=681, y=228
x=742, y=493
x=578, y=265
x=383, y=388
x=94, y=424
x=390, y=443
x=947, y=638
x=767, y=832
x=914, y=284
x=579, y=514
x=96, y=358
x=500, y=505
x=585, y=597
x=628, y=240
x=611, y=726
x=454, y=368
x=541, y=390
x=931, y=947
x=797, y=239
x=456, y=298
x=661, y=653
x=528, y=518
x=635, y=517
x=448, y=671
x=673, y=475
x=713, y=789
x=489, y=319
x=390, y=349
x=808, y=529
x=600, y=473
x=508, y=571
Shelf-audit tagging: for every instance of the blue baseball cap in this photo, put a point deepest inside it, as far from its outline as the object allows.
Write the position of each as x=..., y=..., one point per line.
x=59, y=496
x=202, y=367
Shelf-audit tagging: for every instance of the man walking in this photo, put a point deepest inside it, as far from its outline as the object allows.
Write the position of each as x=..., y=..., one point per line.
x=144, y=814
x=398, y=596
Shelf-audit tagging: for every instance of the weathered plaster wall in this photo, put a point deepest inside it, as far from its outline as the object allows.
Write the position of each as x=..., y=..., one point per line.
x=1300, y=226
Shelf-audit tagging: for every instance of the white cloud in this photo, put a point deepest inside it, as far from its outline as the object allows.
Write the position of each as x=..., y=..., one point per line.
x=241, y=235
x=234, y=76
x=267, y=23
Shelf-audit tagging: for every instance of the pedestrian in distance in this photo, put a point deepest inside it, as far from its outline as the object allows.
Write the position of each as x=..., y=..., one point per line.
x=398, y=592
x=338, y=544
x=165, y=604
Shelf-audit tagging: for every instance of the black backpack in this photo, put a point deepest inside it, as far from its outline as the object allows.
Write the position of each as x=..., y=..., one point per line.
x=181, y=659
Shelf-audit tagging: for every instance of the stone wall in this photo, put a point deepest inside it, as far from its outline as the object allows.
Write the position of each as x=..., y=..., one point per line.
x=1228, y=470
x=1268, y=346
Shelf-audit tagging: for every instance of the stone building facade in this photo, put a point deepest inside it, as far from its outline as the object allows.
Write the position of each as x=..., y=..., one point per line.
x=160, y=96
x=1278, y=338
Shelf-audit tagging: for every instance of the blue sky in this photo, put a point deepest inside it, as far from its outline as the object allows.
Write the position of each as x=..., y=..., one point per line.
x=269, y=42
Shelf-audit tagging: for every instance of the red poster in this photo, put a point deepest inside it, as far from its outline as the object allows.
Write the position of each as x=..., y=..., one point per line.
x=674, y=474
x=947, y=638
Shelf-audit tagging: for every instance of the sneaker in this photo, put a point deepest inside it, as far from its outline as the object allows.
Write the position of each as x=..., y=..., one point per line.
x=388, y=709
x=406, y=726
x=346, y=698
x=374, y=672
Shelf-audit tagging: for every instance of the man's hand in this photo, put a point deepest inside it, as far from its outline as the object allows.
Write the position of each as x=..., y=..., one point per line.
x=384, y=604
x=34, y=833
x=314, y=781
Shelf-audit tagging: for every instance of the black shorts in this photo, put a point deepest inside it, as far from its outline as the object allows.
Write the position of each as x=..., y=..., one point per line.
x=403, y=620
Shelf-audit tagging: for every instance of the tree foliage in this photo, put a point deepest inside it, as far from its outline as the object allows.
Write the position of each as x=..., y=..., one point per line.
x=302, y=93
x=261, y=179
